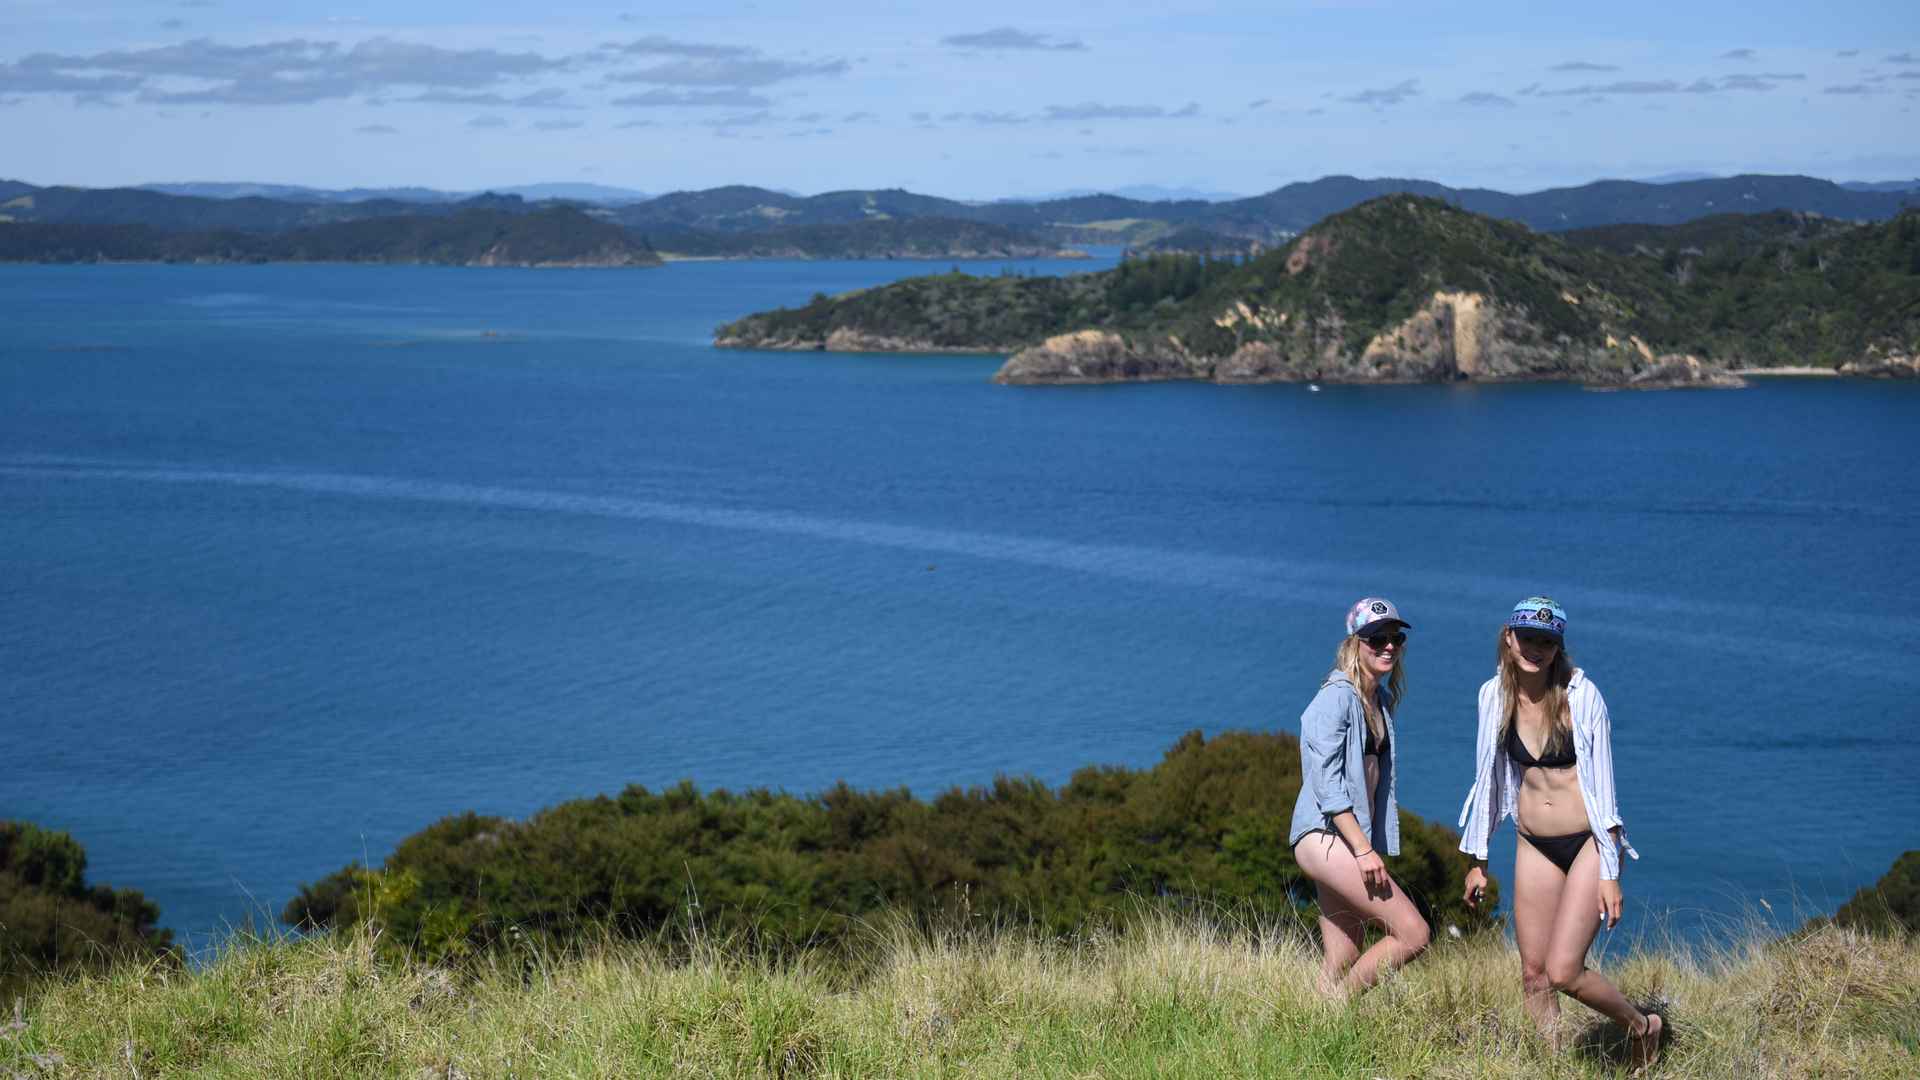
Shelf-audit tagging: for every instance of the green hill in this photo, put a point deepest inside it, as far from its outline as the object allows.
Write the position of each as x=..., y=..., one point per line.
x=554, y=236
x=1406, y=288
x=882, y=238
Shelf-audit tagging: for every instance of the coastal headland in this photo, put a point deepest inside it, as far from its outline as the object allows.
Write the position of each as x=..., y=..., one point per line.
x=1409, y=289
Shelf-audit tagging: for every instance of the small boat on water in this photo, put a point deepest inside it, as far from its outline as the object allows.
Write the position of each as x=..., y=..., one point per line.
x=1314, y=387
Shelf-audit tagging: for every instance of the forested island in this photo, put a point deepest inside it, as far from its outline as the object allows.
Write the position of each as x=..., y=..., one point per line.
x=553, y=236
x=1414, y=289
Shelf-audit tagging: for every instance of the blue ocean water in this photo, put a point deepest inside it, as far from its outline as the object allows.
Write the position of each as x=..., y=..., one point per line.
x=299, y=559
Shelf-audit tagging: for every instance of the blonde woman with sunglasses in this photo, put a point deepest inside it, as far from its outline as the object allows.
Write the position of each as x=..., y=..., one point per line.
x=1347, y=816
x=1545, y=757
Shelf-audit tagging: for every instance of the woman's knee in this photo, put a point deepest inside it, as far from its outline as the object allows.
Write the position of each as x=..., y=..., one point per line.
x=1562, y=973
x=1534, y=980
x=1414, y=937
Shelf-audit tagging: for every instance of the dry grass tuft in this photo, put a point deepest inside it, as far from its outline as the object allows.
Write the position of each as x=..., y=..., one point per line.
x=1164, y=995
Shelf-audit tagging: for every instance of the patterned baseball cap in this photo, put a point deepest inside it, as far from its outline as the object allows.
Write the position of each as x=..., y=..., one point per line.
x=1372, y=612
x=1539, y=613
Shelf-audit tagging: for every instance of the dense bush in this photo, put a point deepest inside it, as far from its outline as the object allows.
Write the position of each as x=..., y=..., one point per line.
x=51, y=920
x=1890, y=905
x=1206, y=826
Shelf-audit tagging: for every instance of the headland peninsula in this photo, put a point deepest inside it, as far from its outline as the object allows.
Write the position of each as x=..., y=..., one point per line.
x=1408, y=288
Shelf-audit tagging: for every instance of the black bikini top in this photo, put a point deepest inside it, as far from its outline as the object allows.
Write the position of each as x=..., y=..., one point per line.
x=1375, y=746
x=1517, y=750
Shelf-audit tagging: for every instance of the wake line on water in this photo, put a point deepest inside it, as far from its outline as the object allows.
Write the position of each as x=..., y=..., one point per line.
x=1263, y=578
x=1293, y=582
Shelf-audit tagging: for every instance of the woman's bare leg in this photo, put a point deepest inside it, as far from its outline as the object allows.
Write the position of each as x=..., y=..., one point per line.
x=1333, y=869
x=1537, y=886
x=1574, y=927
x=1342, y=932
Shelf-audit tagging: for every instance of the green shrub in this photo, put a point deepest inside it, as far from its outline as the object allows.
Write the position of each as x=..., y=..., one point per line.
x=1205, y=827
x=51, y=920
x=1890, y=905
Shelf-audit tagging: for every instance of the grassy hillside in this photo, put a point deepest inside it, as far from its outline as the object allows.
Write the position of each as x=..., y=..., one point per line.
x=1166, y=996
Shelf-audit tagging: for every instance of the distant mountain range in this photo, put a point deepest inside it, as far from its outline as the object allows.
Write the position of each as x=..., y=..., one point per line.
x=1143, y=192
x=598, y=194
x=606, y=195
x=697, y=218
x=1882, y=185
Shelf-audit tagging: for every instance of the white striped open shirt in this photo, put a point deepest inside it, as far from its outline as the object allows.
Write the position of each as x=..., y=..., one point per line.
x=1496, y=777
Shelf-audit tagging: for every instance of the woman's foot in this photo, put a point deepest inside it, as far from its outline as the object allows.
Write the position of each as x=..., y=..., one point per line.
x=1644, y=1045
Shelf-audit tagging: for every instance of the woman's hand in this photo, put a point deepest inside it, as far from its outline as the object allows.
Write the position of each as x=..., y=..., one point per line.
x=1476, y=886
x=1610, y=902
x=1373, y=871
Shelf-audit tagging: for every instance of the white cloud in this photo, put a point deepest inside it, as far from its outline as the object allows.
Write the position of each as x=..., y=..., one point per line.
x=660, y=45
x=550, y=98
x=1091, y=110
x=1004, y=38
x=695, y=99
x=272, y=73
x=732, y=71
x=1388, y=95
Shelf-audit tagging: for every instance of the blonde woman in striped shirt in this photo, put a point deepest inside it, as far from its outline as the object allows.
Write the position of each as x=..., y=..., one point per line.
x=1545, y=756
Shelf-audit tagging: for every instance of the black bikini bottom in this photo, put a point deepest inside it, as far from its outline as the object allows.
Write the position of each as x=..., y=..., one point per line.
x=1561, y=849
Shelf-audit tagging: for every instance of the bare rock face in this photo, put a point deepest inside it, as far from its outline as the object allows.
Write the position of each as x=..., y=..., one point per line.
x=1097, y=356
x=1309, y=249
x=1453, y=336
x=844, y=339
x=1424, y=348
x=1875, y=366
x=1257, y=362
x=1673, y=371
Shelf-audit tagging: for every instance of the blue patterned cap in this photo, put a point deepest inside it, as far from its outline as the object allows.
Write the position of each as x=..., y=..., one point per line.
x=1541, y=613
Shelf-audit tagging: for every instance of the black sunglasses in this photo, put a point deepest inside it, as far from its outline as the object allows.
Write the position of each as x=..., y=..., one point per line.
x=1535, y=638
x=1376, y=642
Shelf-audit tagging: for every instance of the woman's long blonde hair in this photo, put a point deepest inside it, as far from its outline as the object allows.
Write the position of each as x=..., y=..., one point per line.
x=1347, y=661
x=1559, y=710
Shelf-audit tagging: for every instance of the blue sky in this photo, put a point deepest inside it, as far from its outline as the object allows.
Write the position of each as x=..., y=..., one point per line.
x=971, y=100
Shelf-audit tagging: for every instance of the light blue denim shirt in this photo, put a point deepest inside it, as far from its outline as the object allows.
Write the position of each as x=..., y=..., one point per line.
x=1333, y=738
